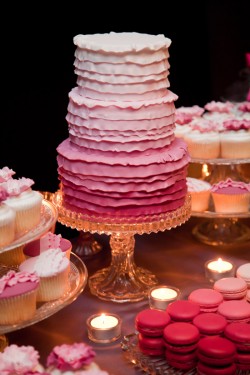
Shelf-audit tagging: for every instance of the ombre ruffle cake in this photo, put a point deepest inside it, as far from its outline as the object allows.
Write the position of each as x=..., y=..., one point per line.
x=122, y=158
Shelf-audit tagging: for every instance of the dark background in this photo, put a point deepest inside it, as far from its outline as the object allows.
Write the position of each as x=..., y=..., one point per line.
x=207, y=56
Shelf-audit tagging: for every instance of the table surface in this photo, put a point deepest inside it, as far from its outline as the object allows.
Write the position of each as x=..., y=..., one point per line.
x=176, y=258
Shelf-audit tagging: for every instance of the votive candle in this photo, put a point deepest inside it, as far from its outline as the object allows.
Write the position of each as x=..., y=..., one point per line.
x=218, y=268
x=104, y=328
x=160, y=296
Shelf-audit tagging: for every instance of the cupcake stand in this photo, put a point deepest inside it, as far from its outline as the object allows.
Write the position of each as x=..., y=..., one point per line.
x=77, y=275
x=222, y=228
x=122, y=281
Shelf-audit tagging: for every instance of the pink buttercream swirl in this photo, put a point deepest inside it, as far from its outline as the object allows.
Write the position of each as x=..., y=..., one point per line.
x=71, y=357
x=3, y=194
x=231, y=183
x=221, y=107
x=5, y=174
x=12, y=278
x=50, y=241
x=15, y=187
x=18, y=360
x=236, y=124
x=244, y=107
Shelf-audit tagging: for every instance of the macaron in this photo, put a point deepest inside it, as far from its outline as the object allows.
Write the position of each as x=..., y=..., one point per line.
x=210, y=324
x=152, y=346
x=181, y=337
x=207, y=298
x=243, y=272
x=204, y=369
x=235, y=311
x=216, y=351
x=231, y=287
x=181, y=361
x=242, y=361
x=151, y=322
x=239, y=334
x=183, y=310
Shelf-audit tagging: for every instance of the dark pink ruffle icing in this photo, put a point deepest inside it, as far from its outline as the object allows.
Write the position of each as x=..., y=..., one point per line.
x=5, y=174
x=15, y=187
x=231, y=187
x=14, y=283
x=70, y=357
x=236, y=124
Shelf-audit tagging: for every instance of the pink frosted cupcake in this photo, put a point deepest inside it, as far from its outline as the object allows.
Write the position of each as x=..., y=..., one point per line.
x=75, y=359
x=20, y=360
x=47, y=242
x=200, y=193
x=52, y=267
x=231, y=196
x=18, y=291
x=25, y=202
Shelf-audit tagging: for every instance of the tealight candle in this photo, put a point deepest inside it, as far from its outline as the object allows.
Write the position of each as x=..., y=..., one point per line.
x=104, y=328
x=160, y=296
x=217, y=269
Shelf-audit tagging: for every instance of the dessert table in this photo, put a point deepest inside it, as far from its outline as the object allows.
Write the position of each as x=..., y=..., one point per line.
x=174, y=256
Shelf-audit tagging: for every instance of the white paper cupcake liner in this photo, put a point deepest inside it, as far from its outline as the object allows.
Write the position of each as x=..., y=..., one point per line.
x=231, y=203
x=53, y=287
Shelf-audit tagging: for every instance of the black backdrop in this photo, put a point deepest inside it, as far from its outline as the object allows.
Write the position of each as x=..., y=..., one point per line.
x=209, y=42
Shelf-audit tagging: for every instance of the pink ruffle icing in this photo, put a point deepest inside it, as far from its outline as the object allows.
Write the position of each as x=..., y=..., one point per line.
x=18, y=360
x=231, y=187
x=71, y=357
x=5, y=174
x=221, y=107
x=236, y=124
x=15, y=187
x=13, y=278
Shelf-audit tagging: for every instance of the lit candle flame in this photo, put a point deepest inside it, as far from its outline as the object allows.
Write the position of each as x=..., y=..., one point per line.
x=204, y=170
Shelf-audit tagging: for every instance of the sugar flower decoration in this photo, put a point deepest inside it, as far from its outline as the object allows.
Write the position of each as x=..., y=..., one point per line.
x=5, y=174
x=18, y=360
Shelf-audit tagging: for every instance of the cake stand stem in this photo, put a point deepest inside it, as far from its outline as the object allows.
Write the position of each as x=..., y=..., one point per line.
x=85, y=245
x=122, y=281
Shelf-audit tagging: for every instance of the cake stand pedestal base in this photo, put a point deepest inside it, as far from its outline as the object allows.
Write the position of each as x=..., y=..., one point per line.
x=122, y=281
x=85, y=245
x=221, y=231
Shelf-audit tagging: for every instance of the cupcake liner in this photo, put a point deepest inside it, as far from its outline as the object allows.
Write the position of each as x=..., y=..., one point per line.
x=12, y=257
x=200, y=200
x=235, y=150
x=53, y=287
x=201, y=150
x=27, y=219
x=7, y=226
x=18, y=308
x=231, y=203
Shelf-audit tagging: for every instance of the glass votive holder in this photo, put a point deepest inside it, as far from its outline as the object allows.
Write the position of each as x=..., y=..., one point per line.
x=217, y=269
x=104, y=328
x=161, y=295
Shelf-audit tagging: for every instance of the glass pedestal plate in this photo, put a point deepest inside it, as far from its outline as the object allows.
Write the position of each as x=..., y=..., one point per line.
x=222, y=228
x=122, y=281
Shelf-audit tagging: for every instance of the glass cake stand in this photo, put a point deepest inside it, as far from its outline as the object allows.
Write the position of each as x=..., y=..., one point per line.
x=222, y=228
x=122, y=281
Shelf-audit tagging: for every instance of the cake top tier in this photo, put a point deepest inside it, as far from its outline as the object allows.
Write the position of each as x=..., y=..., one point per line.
x=121, y=42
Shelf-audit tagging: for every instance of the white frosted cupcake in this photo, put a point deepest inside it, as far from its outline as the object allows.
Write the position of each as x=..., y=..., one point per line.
x=46, y=242
x=25, y=202
x=235, y=144
x=18, y=291
x=7, y=220
x=52, y=267
x=231, y=196
x=20, y=360
x=203, y=145
x=74, y=359
x=200, y=193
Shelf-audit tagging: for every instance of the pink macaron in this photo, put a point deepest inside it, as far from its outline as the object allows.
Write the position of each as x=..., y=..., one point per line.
x=183, y=310
x=203, y=369
x=243, y=272
x=210, y=324
x=151, y=322
x=181, y=361
x=207, y=298
x=239, y=334
x=181, y=337
x=152, y=346
x=231, y=287
x=235, y=311
x=216, y=351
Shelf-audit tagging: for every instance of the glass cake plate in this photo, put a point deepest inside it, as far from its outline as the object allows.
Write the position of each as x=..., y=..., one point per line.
x=78, y=276
x=153, y=365
x=48, y=219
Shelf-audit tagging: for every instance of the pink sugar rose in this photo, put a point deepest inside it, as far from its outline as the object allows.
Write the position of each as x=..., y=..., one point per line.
x=194, y=111
x=71, y=357
x=245, y=107
x=3, y=194
x=16, y=187
x=183, y=118
x=5, y=174
x=18, y=360
x=221, y=107
x=236, y=124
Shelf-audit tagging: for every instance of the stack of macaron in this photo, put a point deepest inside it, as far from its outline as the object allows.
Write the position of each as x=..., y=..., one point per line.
x=150, y=324
x=207, y=298
x=210, y=324
x=239, y=334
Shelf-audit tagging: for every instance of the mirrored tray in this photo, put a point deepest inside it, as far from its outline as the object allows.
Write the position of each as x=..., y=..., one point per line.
x=78, y=276
x=153, y=365
x=48, y=219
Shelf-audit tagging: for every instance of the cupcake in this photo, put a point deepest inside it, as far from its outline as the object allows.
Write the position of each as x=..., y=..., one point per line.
x=20, y=360
x=74, y=359
x=46, y=242
x=25, y=202
x=231, y=196
x=18, y=291
x=52, y=267
x=203, y=143
x=200, y=193
x=7, y=220
x=235, y=144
